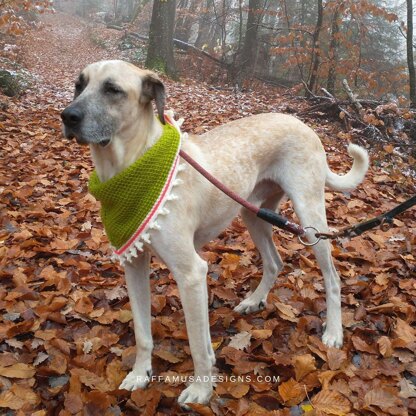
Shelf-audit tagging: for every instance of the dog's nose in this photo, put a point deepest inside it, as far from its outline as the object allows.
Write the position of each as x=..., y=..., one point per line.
x=71, y=116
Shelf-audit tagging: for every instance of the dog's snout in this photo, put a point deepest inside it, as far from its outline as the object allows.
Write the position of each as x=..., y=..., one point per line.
x=72, y=116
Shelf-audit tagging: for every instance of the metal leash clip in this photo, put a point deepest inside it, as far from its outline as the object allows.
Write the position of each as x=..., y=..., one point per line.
x=307, y=243
x=386, y=223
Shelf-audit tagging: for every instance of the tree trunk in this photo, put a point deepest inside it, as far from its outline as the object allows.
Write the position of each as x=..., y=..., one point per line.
x=204, y=24
x=333, y=52
x=410, y=62
x=184, y=20
x=313, y=77
x=247, y=63
x=160, y=49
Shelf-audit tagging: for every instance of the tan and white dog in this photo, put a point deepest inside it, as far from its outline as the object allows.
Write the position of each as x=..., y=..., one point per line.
x=262, y=158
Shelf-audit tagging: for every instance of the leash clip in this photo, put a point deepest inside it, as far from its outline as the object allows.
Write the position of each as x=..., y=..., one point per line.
x=386, y=223
x=307, y=243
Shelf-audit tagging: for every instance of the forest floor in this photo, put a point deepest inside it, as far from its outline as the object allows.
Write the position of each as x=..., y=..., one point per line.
x=66, y=336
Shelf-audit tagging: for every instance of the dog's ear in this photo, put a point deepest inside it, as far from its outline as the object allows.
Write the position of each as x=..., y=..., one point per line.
x=153, y=89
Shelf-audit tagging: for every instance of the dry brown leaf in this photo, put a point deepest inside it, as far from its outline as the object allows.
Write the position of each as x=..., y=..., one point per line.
x=407, y=389
x=382, y=398
x=234, y=389
x=304, y=364
x=167, y=356
x=361, y=345
x=404, y=332
x=261, y=333
x=286, y=312
x=384, y=346
x=240, y=341
x=11, y=401
x=201, y=409
x=91, y=379
x=292, y=392
x=336, y=358
x=84, y=305
x=73, y=403
x=18, y=370
x=331, y=402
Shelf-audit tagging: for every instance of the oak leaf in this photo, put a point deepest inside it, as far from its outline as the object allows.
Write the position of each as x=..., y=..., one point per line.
x=240, y=341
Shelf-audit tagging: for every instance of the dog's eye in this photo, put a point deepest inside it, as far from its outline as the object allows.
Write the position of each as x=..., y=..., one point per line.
x=112, y=89
x=78, y=86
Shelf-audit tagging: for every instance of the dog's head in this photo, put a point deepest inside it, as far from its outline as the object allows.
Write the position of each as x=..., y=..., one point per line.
x=110, y=98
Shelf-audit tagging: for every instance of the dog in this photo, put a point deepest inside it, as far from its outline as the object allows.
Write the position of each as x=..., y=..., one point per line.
x=262, y=158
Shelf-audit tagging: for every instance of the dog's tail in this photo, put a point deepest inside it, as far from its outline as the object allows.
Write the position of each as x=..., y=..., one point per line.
x=355, y=176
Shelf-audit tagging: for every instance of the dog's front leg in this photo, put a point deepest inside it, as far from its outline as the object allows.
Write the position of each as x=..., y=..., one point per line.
x=137, y=279
x=190, y=274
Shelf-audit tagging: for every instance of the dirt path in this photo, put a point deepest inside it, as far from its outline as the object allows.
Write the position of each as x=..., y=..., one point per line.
x=61, y=49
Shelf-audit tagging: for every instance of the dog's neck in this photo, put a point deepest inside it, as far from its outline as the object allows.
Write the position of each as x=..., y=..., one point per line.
x=121, y=153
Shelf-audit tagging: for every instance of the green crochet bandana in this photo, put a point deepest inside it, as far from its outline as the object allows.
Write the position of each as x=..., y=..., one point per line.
x=132, y=199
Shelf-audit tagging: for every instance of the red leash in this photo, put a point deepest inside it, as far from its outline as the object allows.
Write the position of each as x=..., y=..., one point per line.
x=263, y=213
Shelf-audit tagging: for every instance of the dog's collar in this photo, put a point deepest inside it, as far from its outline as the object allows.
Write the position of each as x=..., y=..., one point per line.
x=132, y=200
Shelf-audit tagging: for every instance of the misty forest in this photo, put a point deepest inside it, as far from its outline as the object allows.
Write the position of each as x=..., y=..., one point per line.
x=346, y=69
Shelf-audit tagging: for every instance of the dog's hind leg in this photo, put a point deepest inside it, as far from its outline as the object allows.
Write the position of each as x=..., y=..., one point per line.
x=137, y=279
x=262, y=234
x=310, y=208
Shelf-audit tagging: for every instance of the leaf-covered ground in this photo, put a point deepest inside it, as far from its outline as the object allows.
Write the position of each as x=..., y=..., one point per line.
x=66, y=336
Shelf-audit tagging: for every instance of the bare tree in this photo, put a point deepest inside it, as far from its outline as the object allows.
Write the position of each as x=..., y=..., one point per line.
x=313, y=76
x=204, y=23
x=247, y=63
x=160, y=49
x=409, y=47
x=333, y=50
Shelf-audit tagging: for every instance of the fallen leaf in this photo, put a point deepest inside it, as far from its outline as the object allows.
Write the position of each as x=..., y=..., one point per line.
x=240, y=341
x=234, y=389
x=331, y=402
x=336, y=358
x=292, y=392
x=167, y=356
x=304, y=364
x=18, y=370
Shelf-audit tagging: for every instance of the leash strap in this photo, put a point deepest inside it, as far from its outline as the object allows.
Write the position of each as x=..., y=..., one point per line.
x=384, y=220
x=265, y=214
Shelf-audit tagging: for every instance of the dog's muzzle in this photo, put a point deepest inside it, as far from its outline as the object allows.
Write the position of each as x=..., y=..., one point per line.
x=72, y=118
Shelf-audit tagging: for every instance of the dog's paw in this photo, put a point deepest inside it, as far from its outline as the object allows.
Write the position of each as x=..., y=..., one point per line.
x=332, y=338
x=250, y=306
x=136, y=379
x=195, y=393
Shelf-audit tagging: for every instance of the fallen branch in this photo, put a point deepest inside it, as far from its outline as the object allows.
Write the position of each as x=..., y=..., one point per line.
x=180, y=44
x=353, y=99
